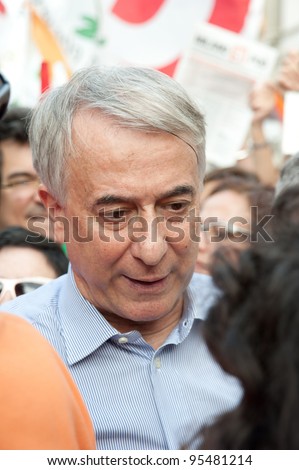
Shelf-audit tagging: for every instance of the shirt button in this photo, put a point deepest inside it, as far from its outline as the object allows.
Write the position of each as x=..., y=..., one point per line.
x=123, y=340
x=157, y=362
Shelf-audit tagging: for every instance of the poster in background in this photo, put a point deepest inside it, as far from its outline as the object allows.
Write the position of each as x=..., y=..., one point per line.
x=43, y=42
x=219, y=70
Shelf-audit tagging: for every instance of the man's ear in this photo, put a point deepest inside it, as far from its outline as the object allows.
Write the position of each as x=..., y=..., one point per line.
x=58, y=223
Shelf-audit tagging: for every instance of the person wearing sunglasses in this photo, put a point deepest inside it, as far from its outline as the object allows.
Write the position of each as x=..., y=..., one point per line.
x=23, y=285
x=27, y=261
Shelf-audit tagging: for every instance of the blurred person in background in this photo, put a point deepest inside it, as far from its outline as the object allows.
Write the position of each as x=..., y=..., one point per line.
x=19, y=199
x=27, y=261
x=231, y=215
x=253, y=333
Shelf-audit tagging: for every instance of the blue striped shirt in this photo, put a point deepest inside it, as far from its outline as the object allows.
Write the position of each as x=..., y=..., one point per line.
x=138, y=398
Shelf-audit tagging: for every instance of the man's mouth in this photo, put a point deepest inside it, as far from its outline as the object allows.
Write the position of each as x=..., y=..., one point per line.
x=147, y=284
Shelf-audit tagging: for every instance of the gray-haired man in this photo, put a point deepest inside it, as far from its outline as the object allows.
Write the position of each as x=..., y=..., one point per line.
x=120, y=152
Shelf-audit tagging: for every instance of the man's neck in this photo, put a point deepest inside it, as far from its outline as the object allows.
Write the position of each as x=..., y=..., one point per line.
x=153, y=332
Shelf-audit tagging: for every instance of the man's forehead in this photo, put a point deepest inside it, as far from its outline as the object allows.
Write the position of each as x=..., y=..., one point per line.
x=84, y=119
x=108, y=154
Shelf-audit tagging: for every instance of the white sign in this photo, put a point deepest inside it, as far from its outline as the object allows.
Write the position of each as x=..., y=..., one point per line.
x=219, y=69
x=290, y=134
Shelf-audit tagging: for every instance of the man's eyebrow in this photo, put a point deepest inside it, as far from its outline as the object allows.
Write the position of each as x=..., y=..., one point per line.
x=110, y=199
x=181, y=190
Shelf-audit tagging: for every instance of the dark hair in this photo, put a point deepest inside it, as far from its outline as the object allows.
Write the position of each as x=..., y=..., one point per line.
x=253, y=333
x=257, y=194
x=289, y=174
x=285, y=211
x=220, y=174
x=286, y=207
x=14, y=124
x=18, y=237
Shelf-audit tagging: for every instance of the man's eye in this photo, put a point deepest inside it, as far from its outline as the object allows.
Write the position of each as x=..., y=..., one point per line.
x=177, y=206
x=117, y=215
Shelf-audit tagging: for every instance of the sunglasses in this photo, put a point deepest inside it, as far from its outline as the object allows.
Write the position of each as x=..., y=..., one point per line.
x=22, y=285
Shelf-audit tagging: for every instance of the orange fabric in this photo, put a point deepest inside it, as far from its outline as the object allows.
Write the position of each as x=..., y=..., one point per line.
x=279, y=103
x=40, y=406
x=46, y=41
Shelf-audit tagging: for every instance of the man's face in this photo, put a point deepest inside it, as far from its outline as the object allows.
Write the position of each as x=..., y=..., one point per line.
x=19, y=199
x=136, y=189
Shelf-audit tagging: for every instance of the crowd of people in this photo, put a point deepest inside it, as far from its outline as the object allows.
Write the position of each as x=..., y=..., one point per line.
x=145, y=304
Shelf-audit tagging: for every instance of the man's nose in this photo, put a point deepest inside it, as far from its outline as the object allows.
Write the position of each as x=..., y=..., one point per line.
x=151, y=245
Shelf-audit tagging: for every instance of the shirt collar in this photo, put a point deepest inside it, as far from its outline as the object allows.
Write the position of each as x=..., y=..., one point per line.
x=199, y=296
x=85, y=329
x=202, y=293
